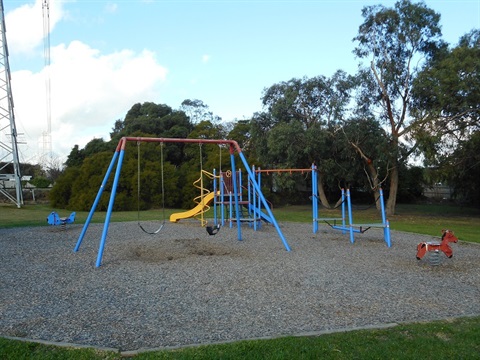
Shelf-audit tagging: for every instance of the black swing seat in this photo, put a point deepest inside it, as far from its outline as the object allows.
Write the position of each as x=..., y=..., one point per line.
x=213, y=230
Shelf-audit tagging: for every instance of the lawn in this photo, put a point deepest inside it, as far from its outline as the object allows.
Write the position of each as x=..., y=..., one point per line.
x=447, y=339
x=427, y=219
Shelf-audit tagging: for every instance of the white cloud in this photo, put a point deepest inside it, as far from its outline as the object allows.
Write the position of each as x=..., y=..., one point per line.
x=25, y=26
x=111, y=7
x=89, y=90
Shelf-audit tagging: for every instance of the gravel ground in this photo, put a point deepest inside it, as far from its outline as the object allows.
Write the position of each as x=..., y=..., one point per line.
x=184, y=287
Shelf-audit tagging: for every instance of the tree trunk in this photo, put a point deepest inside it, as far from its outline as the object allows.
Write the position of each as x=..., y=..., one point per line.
x=392, y=198
x=321, y=191
x=374, y=183
x=372, y=174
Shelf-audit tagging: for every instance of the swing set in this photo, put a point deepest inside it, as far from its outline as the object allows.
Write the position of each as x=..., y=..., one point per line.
x=351, y=227
x=117, y=160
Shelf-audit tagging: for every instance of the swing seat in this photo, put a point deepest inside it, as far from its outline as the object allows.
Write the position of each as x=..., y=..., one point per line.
x=213, y=230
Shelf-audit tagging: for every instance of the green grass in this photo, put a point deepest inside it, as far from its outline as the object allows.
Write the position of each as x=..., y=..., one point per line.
x=36, y=215
x=16, y=350
x=427, y=219
x=447, y=339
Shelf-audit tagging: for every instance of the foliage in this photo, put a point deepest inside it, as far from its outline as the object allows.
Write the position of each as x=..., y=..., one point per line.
x=310, y=101
x=40, y=182
x=85, y=186
x=393, y=38
x=76, y=157
x=412, y=181
x=197, y=111
x=447, y=93
x=156, y=119
x=94, y=146
x=300, y=126
x=240, y=132
x=463, y=170
x=363, y=149
x=62, y=190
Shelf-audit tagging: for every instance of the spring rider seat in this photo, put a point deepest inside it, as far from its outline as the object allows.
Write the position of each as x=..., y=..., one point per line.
x=435, y=247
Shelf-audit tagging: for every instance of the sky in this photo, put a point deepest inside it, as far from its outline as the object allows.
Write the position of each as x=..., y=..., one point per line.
x=106, y=56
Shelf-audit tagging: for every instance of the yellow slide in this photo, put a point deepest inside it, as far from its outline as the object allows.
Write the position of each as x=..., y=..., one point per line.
x=195, y=211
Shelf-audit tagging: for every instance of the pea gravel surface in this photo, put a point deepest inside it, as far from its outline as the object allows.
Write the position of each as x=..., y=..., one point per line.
x=183, y=287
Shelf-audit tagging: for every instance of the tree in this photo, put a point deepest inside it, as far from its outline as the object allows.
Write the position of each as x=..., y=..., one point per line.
x=395, y=39
x=61, y=192
x=197, y=111
x=154, y=119
x=463, y=170
x=448, y=92
x=86, y=183
x=300, y=124
x=368, y=144
x=76, y=157
x=311, y=101
x=240, y=132
x=446, y=95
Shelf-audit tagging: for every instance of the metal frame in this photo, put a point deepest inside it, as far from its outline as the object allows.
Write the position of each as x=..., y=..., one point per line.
x=9, y=155
x=117, y=160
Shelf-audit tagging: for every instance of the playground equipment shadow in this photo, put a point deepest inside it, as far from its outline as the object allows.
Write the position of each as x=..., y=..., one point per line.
x=184, y=287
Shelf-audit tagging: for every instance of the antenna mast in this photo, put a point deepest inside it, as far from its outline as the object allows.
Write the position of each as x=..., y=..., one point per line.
x=9, y=161
x=47, y=135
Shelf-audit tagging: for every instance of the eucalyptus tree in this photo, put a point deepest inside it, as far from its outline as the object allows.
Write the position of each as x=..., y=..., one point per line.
x=395, y=42
x=197, y=111
x=447, y=96
x=299, y=122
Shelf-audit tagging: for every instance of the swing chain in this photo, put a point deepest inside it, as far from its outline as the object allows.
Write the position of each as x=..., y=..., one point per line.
x=139, y=190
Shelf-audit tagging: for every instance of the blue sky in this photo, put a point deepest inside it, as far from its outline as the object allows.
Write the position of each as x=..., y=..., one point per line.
x=108, y=55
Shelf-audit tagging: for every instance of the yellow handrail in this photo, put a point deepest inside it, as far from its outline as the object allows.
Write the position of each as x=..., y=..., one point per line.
x=203, y=192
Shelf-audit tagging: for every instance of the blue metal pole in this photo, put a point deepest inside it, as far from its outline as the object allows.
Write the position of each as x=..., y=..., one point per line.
x=314, y=200
x=344, y=222
x=235, y=191
x=258, y=205
x=386, y=224
x=253, y=202
x=222, y=197
x=249, y=199
x=350, y=217
x=264, y=202
x=214, y=198
x=230, y=209
x=110, y=208
x=97, y=199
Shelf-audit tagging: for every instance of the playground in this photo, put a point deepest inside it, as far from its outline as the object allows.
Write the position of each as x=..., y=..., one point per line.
x=183, y=287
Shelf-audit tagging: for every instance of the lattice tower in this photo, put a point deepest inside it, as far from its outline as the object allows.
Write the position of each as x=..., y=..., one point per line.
x=10, y=176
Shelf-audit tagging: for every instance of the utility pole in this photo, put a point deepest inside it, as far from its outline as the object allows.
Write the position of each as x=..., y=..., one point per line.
x=9, y=161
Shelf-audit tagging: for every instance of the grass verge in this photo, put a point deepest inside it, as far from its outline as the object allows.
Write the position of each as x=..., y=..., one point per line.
x=446, y=339
x=428, y=219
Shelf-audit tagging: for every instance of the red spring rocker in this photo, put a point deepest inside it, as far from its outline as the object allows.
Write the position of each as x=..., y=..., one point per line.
x=447, y=237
